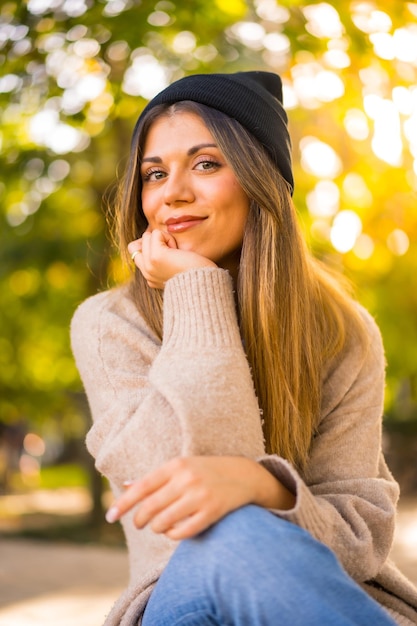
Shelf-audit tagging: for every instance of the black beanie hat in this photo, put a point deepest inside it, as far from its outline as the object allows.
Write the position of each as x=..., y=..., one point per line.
x=254, y=99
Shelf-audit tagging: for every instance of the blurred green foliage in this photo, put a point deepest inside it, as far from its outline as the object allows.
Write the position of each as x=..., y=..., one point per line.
x=66, y=475
x=75, y=76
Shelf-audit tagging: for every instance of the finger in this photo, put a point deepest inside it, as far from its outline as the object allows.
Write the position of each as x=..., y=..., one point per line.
x=157, y=241
x=153, y=245
x=132, y=245
x=161, y=237
x=186, y=504
x=160, y=240
x=190, y=526
x=134, y=254
x=134, y=248
x=171, y=242
x=136, y=492
x=146, y=246
x=161, y=505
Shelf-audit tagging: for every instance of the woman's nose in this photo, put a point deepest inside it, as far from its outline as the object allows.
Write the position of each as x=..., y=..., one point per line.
x=178, y=188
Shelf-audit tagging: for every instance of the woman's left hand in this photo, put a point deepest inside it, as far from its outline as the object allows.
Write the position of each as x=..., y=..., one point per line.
x=185, y=496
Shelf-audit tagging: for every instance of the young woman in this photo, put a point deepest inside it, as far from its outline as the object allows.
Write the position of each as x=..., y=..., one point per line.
x=236, y=390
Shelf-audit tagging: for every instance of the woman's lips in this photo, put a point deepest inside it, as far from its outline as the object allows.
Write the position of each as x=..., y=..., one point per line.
x=183, y=223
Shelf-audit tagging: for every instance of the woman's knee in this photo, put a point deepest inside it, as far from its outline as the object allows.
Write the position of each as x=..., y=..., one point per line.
x=250, y=537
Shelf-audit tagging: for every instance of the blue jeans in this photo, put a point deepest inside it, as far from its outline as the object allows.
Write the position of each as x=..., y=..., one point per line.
x=255, y=569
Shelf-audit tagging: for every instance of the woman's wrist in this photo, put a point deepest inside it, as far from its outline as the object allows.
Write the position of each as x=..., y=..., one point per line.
x=269, y=492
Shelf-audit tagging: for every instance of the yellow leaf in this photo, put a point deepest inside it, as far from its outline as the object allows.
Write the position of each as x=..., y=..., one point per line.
x=236, y=8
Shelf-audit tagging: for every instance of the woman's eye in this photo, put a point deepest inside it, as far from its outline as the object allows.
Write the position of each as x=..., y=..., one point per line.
x=207, y=165
x=153, y=175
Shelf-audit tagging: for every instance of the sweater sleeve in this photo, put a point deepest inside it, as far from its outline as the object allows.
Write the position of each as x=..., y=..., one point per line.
x=347, y=497
x=149, y=402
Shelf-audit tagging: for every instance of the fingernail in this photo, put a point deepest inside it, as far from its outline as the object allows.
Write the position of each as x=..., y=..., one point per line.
x=112, y=514
x=128, y=483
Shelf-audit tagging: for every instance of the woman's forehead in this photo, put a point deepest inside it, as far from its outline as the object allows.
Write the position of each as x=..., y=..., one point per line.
x=181, y=126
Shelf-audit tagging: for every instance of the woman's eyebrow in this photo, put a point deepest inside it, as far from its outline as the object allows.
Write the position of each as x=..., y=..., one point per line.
x=200, y=146
x=152, y=159
x=190, y=152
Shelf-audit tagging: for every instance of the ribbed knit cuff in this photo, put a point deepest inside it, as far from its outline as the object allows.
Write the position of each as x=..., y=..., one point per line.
x=199, y=309
x=306, y=512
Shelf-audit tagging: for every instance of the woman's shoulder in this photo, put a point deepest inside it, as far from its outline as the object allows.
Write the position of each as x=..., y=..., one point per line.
x=108, y=314
x=113, y=303
x=361, y=360
x=362, y=338
x=371, y=337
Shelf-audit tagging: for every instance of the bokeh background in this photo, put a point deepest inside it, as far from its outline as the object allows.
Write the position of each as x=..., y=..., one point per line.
x=75, y=74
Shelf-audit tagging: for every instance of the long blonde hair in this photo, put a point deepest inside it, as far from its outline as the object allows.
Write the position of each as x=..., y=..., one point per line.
x=294, y=315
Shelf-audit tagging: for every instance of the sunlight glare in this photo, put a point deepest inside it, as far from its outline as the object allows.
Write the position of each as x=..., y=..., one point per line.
x=304, y=83
x=323, y=20
x=74, y=8
x=410, y=131
x=45, y=128
x=206, y=53
x=10, y=82
x=66, y=139
x=77, y=32
x=159, y=18
x=319, y=158
x=369, y=20
x=364, y=247
x=289, y=96
x=37, y=7
x=356, y=124
x=277, y=42
x=329, y=86
x=90, y=86
x=58, y=170
x=249, y=33
x=386, y=143
x=118, y=51
x=323, y=201
x=403, y=100
x=145, y=77
x=115, y=7
x=398, y=242
x=271, y=11
x=86, y=48
x=338, y=59
x=184, y=43
x=384, y=45
x=345, y=230
x=405, y=43
x=65, y=67
x=356, y=191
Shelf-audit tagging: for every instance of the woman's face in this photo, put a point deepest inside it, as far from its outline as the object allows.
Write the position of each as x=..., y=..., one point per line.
x=190, y=191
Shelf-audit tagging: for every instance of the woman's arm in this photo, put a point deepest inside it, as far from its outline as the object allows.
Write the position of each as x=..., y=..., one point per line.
x=185, y=496
x=191, y=396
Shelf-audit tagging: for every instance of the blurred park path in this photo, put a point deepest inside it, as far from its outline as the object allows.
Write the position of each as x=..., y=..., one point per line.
x=46, y=583
x=50, y=584
x=404, y=551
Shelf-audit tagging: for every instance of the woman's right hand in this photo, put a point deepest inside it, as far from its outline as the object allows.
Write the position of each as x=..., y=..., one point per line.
x=186, y=495
x=159, y=258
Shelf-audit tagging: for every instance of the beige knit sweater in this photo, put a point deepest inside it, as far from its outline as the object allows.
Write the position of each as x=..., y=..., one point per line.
x=193, y=395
